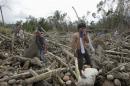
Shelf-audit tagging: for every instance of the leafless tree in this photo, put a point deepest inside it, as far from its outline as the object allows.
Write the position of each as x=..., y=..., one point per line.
x=3, y=4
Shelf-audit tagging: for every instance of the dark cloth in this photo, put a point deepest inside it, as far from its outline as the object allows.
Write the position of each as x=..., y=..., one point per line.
x=40, y=41
x=81, y=58
x=41, y=53
x=16, y=31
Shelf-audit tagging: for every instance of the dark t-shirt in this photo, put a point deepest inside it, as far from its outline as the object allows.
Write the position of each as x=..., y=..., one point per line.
x=40, y=41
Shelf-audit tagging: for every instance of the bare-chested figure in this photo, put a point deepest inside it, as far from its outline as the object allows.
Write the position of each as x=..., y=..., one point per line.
x=79, y=44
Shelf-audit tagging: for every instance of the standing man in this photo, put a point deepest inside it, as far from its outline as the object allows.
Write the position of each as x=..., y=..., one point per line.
x=41, y=43
x=18, y=34
x=80, y=41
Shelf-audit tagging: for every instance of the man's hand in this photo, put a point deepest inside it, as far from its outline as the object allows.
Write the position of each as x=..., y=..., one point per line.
x=45, y=48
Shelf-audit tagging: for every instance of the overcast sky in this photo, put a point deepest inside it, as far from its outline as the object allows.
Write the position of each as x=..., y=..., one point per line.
x=19, y=9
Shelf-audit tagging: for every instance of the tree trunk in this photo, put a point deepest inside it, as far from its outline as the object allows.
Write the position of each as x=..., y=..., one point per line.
x=2, y=15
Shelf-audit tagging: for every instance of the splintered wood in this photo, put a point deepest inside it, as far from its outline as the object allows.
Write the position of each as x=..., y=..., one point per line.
x=21, y=66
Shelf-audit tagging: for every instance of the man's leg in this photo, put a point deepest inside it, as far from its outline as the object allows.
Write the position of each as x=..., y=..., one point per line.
x=42, y=55
x=80, y=61
x=87, y=58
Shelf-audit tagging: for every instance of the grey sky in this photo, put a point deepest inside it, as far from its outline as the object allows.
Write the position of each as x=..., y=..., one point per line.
x=19, y=9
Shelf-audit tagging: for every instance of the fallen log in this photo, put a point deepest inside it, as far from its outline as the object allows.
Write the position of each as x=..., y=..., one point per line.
x=24, y=59
x=60, y=80
x=77, y=70
x=43, y=76
x=25, y=74
x=118, y=57
x=51, y=65
x=2, y=38
x=59, y=44
x=121, y=75
x=33, y=72
x=58, y=59
x=5, y=37
x=127, y=46
x=68, y=53
x=52, y=41
x=26, y=65
x=76, y=63
x=115, y=52
x=116, y=69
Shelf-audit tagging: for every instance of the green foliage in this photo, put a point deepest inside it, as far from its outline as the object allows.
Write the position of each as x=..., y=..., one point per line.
x=113, y=18
x=5, y=30
x=45, y=24
x=30, y=24
x=56, y=21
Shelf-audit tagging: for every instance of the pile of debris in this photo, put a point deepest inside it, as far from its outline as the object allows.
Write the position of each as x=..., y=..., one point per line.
x=25, y=69
x=113, y=60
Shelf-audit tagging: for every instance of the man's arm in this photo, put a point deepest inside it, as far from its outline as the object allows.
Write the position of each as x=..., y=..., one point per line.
x=90, y=43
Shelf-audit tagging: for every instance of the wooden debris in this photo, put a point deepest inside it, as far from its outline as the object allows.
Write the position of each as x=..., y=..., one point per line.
x=44, y=75
x=22, y=66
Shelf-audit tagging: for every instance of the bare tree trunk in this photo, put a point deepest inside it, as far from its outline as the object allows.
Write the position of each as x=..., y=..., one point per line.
x=2, y=15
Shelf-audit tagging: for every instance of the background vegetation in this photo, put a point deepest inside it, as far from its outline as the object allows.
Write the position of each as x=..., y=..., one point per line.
x=116, y=16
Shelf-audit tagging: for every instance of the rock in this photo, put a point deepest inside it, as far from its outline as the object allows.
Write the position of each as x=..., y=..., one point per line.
x=91, y=74
x=125, y=75
x=3, y=84
x=110, y=77
x=66, y=78
x=68, y=82
x=18, y=81
x=117, y=82
x=12, y=81
x=108, y=83
x=6, y=77
x=122, y=68
x=6, y=54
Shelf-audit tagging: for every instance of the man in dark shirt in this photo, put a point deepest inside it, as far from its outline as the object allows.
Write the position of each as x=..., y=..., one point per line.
x=41, y=43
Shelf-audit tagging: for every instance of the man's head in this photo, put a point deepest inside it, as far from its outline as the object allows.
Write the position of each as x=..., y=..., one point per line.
x=41, y=33
x=39, y=30
x=81, y=27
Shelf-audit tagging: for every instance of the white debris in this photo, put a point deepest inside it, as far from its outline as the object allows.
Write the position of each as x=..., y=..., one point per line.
x=90, y=74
